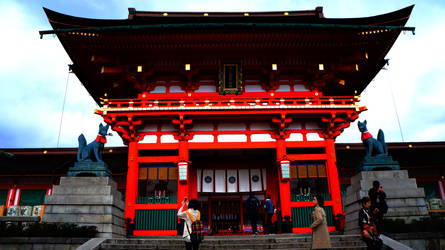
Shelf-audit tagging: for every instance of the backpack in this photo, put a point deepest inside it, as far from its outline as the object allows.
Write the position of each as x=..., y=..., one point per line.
x=253, y=204
x=197, y=234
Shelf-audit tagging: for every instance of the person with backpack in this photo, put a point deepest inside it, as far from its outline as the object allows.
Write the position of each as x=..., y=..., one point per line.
x=270, y=210
x=378, y=204
x=193, y=227
x=252, y=205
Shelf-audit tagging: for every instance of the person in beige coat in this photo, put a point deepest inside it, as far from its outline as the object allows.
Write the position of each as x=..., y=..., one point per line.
x=320, y=233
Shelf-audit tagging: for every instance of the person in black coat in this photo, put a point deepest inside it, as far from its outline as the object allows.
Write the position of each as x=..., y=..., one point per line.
x=378, y=204
x=252, y=205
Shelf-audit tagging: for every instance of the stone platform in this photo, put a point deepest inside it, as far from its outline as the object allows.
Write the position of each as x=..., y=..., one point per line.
x=405, y=200
x=278, y=241
x=87, y=201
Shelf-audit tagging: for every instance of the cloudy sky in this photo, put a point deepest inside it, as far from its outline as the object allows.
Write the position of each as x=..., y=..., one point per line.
x=34, y=71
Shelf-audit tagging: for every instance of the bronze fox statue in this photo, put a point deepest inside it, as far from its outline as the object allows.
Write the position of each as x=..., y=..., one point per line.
x=373, y=147
x=96, y=147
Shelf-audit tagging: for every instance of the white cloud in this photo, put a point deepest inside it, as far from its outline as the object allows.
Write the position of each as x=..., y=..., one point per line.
x=416, y=76
x=33, y=71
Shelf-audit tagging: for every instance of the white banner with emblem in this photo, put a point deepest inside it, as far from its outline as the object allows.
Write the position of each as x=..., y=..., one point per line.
x=231, y=180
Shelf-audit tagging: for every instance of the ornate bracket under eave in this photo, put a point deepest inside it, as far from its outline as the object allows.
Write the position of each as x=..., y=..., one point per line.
x=335, y=125
x=126, y=129
x=181, y=124
x=280, y=127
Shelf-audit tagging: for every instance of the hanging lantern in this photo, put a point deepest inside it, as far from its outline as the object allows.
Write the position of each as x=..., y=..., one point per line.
x=182, y=170
x=285, y=169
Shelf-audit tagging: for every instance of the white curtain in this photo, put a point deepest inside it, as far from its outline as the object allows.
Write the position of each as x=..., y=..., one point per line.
x=244, y=180
x=220, y=181
x=255, y=180
x=207, y=180
x=232, y=174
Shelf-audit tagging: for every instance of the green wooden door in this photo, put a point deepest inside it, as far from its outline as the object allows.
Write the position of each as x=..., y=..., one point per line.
x=301, y=216
x=156, y=219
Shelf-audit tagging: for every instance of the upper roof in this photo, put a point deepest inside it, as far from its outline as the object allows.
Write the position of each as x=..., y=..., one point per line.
x=163, y=41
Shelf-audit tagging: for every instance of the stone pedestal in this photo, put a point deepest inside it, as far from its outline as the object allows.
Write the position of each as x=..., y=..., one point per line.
x=378, y=163
x=87, y=201
x=405, y=200
x=89, y=168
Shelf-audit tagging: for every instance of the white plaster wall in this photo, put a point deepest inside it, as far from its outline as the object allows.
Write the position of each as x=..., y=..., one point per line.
x=283, y=88
x=295, y=125
x=202, y=138
x=261, y=137
x=260, y=126
x=253, y=88
x=159, y=89
x=168, y=138
x=168, y=127
x=300, y=87
x=313, y=137
x=312, y=125
x=295, y=137
x=176, y=89
x=232, y=138
x=202, y=127
x=239, y=126
x=206, y=88
x=149, y=139
x=150, y=128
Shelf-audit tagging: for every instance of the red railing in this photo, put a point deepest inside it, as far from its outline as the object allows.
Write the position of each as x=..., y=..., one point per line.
x=223, y=103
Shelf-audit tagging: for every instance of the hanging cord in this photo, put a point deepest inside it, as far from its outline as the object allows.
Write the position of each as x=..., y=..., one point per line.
x=63, y=106
x=395, y=108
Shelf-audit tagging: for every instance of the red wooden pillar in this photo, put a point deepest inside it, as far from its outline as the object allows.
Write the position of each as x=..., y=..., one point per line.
x=334, y=184
x=11, y=196
x=132, y=180
x=441, y=183
x=284, y=185
x=183, y=186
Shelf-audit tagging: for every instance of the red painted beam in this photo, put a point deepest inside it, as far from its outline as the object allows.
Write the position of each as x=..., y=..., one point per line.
x=157, y=146
x=231, y=145
x=307, y=157
x=158, y=159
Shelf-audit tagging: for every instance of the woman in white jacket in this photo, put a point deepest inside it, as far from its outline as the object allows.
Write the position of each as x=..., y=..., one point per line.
x=192, y=209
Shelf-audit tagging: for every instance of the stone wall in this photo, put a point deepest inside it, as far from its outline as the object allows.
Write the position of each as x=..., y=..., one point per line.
x=405, y=200
x=87, y=201
x=25, y=243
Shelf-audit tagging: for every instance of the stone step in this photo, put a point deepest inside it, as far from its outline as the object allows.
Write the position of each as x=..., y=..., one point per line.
x=285, y=241
x=280, y=238
x=80, y=199
x=391, y=194
x=378, y=175
x=204, y=245
x=87, y=181
x=86, y=190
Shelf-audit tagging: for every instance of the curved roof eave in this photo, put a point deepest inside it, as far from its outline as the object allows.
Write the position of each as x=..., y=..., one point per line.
x=60, y=20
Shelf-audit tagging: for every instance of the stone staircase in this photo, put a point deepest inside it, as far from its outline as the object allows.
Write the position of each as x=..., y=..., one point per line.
x=279, y=241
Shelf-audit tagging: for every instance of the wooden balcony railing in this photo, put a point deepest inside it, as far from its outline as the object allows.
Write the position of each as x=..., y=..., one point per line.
x=170, y=104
